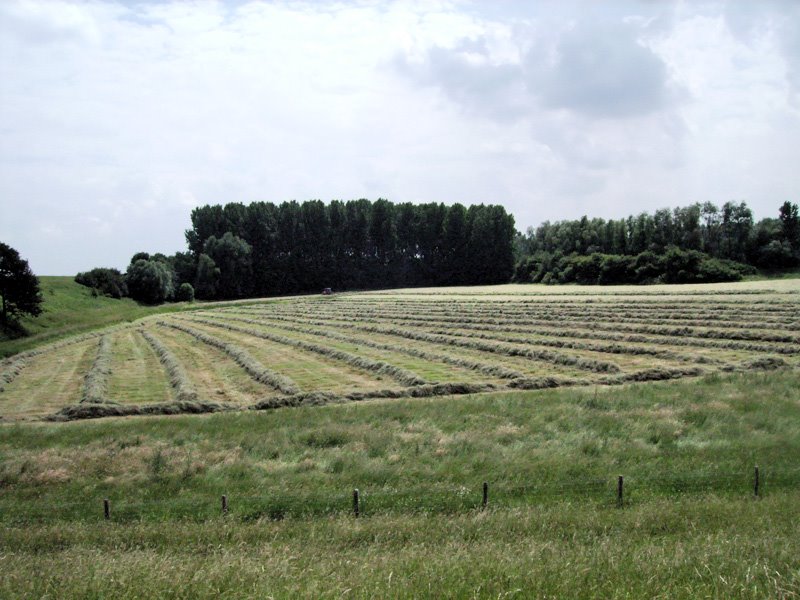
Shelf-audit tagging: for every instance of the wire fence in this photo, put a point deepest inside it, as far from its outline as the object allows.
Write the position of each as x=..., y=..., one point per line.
x=617, y=491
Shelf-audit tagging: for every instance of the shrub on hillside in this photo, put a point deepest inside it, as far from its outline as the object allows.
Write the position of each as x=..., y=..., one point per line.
x=150, y=281
x=108, y=282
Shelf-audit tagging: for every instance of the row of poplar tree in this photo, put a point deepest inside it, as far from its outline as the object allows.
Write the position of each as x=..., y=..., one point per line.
x=264, y=249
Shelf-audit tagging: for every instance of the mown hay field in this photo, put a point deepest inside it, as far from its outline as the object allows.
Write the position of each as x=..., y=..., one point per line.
x=683, y=391
x=405, y=343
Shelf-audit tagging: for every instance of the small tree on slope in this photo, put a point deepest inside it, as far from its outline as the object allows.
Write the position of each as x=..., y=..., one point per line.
x=19, y=287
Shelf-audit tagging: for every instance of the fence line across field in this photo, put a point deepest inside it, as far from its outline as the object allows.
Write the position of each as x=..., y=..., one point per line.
x=452, y=497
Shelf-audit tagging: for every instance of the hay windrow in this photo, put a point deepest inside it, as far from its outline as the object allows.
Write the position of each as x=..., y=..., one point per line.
x=487, y=369
x=14, y=365
x=95, y=384
x=182, y=387
x=379, y=367
x=97, y=411
x=253, y=368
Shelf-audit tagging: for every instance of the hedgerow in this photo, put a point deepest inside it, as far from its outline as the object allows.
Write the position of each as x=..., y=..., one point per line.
x=253, y=368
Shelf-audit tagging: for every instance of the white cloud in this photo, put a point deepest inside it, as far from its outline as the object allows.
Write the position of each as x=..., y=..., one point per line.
x=116, y=119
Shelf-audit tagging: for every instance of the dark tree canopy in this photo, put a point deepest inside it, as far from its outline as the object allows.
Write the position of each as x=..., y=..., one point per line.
x=19, y=287
x=268, y=249
x=696, y=243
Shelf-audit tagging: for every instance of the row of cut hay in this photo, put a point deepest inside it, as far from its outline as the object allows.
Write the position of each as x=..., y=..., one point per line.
x=674, y=315
x=253, y=368
x=706, y=330
x=182, y=387
x=618, y=332
x=704, y=319
x=95, y=383
x=96, y=411
x=487, y=369
x=13, y=365
x=475, y=331
x=546, y=356
x=654, y=374
x=776, y=302
x=421, y=391
x=603, y=291
x=780, y=309
x=378, y=367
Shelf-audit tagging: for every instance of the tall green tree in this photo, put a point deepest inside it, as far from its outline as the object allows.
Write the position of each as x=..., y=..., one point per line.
x=232, y=256
x=207, y=278
x=790, y=226
x=19, y=287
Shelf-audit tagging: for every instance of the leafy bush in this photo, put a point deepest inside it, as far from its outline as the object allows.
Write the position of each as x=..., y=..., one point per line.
x=109, y=282
x=150, y=281
x=185, y=293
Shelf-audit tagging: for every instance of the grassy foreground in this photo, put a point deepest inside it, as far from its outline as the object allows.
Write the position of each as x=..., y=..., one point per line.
x=690, y=527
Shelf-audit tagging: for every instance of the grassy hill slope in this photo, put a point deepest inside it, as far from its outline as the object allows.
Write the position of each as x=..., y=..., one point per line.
x=70, y=308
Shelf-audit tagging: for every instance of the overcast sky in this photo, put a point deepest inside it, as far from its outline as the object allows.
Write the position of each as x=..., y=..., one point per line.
x=116, y=118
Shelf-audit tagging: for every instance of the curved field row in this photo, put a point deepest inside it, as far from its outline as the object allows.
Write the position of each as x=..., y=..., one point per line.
x=703, y=350
x=311, y=371
x=643, y=317
x=349, y=347
x=486, y=369
x=253, y=368
x=547, y=356
x=792, y=342
x=95, y=384
x=183, y=389
x=403, y=376
x=529, y=337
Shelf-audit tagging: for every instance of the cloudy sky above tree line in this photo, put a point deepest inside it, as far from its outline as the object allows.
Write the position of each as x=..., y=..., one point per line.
x=116, y=118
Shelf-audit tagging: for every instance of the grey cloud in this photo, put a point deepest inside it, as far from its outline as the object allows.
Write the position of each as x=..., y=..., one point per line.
x=599, y=71
x=467, y=76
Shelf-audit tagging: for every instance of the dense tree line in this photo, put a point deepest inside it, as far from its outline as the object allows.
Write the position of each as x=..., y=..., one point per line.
x=263, y=249
x=696, y=243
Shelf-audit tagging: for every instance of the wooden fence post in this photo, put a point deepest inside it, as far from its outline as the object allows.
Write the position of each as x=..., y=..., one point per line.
x=106, y=509
x=619, y=491
x=755, y=483
x=224, y=505
x=485, y=494
x=355, y=503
